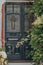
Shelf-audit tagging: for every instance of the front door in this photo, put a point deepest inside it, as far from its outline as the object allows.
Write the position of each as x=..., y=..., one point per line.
x=16, y=25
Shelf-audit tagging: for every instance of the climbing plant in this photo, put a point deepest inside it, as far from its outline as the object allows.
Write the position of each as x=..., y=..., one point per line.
x=36, y=41
x=37, y=7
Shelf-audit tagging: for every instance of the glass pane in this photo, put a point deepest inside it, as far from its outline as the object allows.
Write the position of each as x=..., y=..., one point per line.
x=9, y=8
x=13, y=23
x=26, y=23
x=16, y=8
x=27, y=7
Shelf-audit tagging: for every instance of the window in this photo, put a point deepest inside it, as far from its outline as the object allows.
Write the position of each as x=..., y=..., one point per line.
x=9, y=9
x=16, y=8
x=26, y=8
x=13, y=25
x=26, y=23
x=27, y=17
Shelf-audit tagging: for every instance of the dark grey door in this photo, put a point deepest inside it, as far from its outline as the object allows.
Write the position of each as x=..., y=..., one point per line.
x=16, y=26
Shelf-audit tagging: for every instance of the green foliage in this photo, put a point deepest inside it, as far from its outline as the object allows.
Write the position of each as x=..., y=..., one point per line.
x=2, y=49
x=37, y=32
x=37, y=7
x=37, y=42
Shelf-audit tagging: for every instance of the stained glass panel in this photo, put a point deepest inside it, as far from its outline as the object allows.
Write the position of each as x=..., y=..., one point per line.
x=16, y=8
x=9, y=9
x=13, y=24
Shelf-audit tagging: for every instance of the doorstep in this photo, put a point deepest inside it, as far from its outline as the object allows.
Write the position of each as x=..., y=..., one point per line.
x=20, y=64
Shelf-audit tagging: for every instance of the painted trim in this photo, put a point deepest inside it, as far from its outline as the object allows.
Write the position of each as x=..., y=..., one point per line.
x=2, y=26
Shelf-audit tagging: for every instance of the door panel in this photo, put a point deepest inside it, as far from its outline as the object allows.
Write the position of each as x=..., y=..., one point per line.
x=13, y=25
x=16, y=24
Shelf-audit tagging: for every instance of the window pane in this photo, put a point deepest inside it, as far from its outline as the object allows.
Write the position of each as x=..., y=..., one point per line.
x=26, y=23
x=16, y=8
x=13, y=25
x=27, y=7
x=9, y=8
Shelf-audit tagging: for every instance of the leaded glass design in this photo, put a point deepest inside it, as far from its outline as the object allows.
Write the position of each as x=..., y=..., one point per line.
x=9, y=9
x=11, y=24
x=16, y=8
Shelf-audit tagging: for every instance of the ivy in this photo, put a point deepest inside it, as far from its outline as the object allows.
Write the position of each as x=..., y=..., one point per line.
x=37, y=7
x=36, y=41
